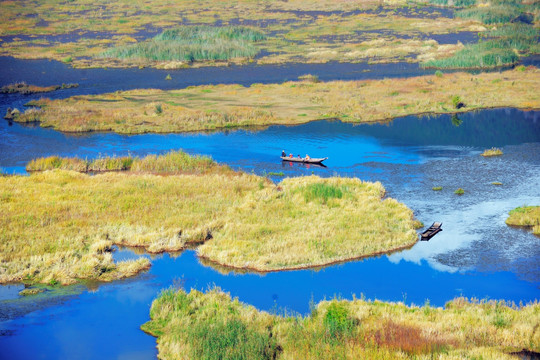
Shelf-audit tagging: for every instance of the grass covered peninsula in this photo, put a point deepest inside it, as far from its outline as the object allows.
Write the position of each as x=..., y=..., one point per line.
x=242, y=220
x=228, y=106
x=195, y=325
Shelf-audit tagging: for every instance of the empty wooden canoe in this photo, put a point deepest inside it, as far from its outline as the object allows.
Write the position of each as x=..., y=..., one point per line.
x=431, y=231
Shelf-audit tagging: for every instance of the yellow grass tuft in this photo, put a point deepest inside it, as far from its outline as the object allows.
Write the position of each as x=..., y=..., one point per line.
x=492, y=152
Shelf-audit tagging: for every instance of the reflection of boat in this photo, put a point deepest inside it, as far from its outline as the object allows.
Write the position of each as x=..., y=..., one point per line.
x=431, y=231
x=303, y=160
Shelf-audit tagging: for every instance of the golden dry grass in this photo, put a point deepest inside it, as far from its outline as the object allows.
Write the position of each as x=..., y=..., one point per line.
x=58, y=226
x=336, y=329
x=525, y=216
x=226, y=106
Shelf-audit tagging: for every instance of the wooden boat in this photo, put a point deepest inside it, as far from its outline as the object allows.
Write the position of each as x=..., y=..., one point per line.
x=303, y=160
x=431, y=231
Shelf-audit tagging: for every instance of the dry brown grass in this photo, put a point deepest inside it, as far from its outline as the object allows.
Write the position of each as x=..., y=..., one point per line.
x=226, y=106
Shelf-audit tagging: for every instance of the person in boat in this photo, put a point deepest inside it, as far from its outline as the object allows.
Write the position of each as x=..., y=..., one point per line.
x=290, y=155
x=283, y=153
x=307, y=157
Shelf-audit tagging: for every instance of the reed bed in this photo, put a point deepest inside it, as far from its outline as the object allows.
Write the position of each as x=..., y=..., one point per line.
x=228, y=106
x=212, y=325
x=173, y=162
x=58, y=226
x=193, y=43
x=526, y=216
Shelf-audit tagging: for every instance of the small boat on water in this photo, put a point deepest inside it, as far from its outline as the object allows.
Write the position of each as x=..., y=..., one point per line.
x=303, y=160
x=431, y=231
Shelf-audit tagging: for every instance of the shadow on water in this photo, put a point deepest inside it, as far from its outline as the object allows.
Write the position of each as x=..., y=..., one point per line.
x=476, y=255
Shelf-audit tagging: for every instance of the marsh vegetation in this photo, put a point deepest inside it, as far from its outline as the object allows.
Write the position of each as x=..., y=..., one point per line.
x=113, y=35
x=211, y=325
x=513, y=34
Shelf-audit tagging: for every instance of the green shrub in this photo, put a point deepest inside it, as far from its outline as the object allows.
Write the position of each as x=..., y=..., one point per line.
x=337, y=322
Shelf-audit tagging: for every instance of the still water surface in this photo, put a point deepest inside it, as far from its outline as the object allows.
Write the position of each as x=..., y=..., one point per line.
x=476, y=255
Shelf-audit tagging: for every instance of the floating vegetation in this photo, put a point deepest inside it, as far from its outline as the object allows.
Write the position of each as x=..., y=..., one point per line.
x=26, y=89
x=459, y=191
x=437, y=188
x=193, y=43
x=492, y=152
x=525, y=216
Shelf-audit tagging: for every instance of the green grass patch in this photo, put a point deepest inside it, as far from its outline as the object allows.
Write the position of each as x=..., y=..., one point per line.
x=193, y=43
x=322, y=192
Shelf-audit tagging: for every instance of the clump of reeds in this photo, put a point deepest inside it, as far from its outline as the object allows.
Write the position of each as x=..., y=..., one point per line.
x=193, y=43
x=492, y=152
x=459, y=191
x=56, y=162
x=525, y=216
x=173, y=162
x=309, y=78
x=339, y=329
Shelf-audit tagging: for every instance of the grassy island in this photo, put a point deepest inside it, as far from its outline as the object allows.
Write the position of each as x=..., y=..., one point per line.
x=195, y=325
x=228, y=106
x=164, y=203
x=528, y=216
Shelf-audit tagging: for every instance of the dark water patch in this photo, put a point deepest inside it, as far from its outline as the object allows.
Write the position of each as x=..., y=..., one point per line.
x=465, y=37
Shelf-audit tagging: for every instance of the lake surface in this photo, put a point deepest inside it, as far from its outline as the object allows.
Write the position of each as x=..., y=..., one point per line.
x=476, y=255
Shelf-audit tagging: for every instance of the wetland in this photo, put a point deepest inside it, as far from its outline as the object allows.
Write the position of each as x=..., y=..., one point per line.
x=143, y=199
